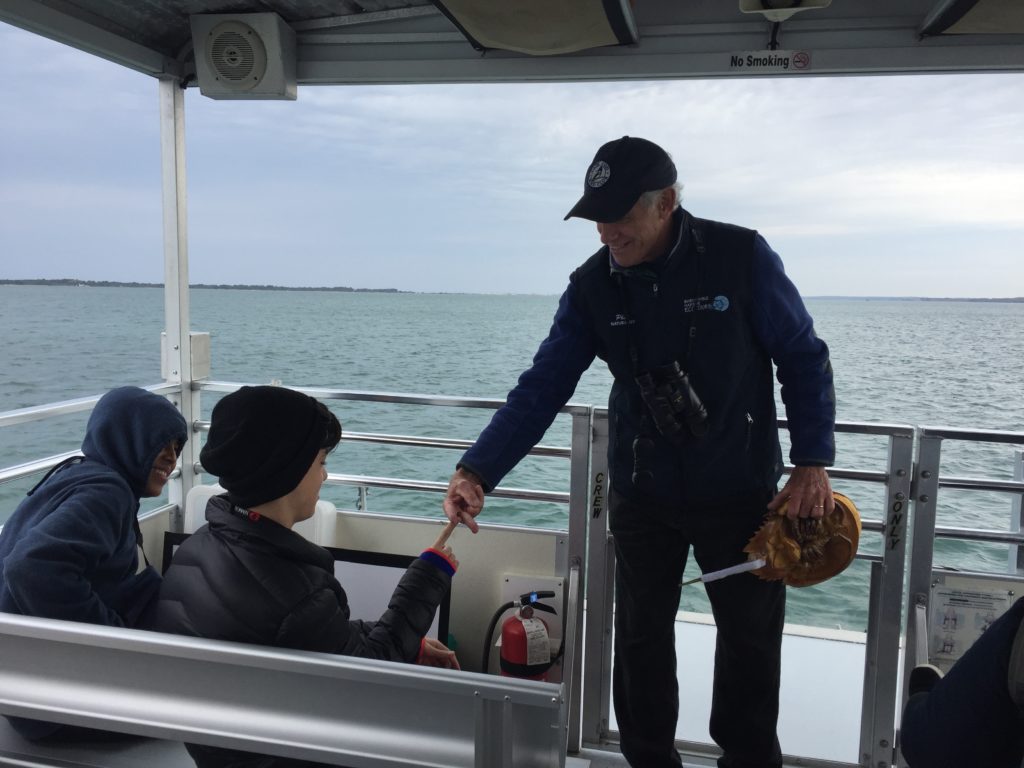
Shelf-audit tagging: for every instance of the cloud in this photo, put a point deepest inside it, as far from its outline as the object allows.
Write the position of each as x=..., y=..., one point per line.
x=463, y=187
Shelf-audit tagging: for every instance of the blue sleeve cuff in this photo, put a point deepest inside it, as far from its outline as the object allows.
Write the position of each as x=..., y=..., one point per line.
x=438, y=560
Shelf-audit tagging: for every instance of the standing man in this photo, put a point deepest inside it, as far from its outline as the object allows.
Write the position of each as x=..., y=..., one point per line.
x=689, y=315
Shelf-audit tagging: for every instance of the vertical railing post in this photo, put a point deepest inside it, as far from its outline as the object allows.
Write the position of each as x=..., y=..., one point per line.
x=919, y=569
x=579, y=483
x=867, y=715
x=881, y=689
x=177, y=360
x=1017, y=515
x=493, y=748
x=597, y=642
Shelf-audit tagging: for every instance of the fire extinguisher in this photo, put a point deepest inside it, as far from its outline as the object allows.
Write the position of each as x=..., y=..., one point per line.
x=525, y=639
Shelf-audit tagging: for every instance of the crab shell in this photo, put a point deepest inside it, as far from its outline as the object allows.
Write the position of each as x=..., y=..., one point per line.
x=806, y=551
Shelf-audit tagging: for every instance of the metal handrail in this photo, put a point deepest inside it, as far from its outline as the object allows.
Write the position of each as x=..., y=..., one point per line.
x=85, y=403
x=19, y=471
x=385, y=397
x=417, y=442
x=39, y=412
x=974, y=435
x=976, y=534
x=49, y=410
x=393, y=483
x=522, y=494
x=36, y=466
x=979, y=484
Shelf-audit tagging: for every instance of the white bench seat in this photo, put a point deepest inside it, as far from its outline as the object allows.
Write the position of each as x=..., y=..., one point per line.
x=319, y=529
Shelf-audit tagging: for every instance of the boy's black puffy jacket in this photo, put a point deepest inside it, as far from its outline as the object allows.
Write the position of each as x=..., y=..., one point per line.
x=254, y=581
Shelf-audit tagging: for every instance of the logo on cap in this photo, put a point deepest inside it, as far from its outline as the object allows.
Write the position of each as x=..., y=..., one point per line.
x=598, y=174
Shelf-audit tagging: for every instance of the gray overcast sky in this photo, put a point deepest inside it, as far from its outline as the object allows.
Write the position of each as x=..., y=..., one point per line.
x=865, y=186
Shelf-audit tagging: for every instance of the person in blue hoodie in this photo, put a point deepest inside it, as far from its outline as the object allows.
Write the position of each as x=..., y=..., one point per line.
x=70, y=550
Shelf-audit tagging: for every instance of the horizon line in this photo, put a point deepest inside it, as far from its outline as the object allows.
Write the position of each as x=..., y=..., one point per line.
x=76, y=282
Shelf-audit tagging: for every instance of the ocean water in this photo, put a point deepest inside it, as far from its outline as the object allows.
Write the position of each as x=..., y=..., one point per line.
x=937, y=363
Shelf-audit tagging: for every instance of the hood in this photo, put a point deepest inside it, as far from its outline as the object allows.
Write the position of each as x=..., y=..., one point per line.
x=128, y=428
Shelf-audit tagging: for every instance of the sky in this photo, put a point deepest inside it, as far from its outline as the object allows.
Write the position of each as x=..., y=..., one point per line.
x=883, y=186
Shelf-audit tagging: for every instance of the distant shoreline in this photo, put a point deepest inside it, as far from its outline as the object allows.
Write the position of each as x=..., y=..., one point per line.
x=72, y=282
x=1006, y=300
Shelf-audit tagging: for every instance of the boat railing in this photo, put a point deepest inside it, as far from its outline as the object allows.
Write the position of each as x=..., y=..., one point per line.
x=884, y=620
x=52, y=410
x=930, y=480
x=911, y=479
x=313, y=706
x=577, y=453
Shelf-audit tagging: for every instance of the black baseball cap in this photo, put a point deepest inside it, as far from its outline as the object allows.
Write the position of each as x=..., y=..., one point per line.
x=622, y=170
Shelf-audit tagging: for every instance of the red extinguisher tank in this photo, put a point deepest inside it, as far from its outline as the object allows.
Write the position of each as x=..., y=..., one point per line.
x=525, y=646
x=526, y=650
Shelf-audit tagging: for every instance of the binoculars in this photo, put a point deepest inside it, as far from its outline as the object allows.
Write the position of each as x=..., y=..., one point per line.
x=676, y=410
x=673, y=404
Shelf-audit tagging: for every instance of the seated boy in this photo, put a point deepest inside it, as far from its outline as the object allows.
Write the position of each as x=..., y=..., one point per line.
x=247, y=576
x=70, y=550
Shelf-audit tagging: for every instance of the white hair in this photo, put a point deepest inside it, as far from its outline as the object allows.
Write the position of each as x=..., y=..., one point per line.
x=650, y=198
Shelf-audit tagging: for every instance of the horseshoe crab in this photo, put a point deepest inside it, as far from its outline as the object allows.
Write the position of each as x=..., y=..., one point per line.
x=806, y=551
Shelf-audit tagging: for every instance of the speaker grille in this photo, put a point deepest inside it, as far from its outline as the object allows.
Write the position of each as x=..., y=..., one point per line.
x=237, y=54
x=233, y=56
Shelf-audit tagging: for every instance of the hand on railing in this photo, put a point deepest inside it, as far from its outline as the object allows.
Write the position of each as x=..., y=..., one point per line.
x=464, y=499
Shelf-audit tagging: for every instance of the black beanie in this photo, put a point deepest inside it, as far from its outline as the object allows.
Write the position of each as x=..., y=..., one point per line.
x=262, y=441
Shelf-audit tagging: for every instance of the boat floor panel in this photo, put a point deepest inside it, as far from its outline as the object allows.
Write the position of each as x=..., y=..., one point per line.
x=157, y=753
x=131, y=752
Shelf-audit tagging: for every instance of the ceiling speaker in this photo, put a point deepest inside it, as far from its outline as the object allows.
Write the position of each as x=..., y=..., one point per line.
x=780, y=10
x=244, y=56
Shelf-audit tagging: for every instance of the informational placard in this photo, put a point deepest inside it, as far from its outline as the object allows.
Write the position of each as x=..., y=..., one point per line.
x=961, y=608
x=760, y=62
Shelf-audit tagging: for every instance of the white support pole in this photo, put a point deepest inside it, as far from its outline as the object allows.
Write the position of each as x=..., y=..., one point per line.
x=177, y=362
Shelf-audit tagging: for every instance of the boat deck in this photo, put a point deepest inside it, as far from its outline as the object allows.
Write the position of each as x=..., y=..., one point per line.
x=157, y=753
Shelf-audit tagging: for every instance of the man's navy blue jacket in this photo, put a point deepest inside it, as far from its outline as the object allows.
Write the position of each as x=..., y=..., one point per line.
x=69, y=550
x=725, y=315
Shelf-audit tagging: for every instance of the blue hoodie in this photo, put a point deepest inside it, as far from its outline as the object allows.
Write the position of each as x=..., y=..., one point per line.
x=69, y=550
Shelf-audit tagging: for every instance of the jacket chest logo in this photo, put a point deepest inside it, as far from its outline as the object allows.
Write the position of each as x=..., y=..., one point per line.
x=620, y=320
x=706, y=303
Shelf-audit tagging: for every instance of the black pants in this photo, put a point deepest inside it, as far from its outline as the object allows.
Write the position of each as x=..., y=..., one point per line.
x=216, y=757
x=45, y=732
x=651, y=547
x=969, y=718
